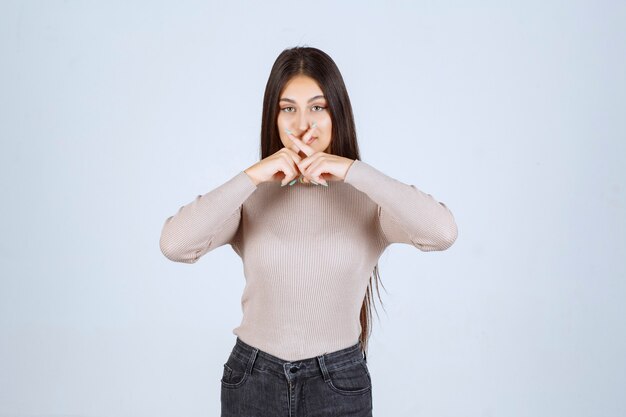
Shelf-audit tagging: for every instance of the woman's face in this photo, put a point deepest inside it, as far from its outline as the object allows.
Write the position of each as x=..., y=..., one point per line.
x=300, y=104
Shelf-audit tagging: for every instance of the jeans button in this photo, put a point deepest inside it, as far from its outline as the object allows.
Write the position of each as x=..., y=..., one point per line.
x=293, y=369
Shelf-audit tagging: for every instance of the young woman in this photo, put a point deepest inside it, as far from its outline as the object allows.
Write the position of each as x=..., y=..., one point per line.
x=309, y=248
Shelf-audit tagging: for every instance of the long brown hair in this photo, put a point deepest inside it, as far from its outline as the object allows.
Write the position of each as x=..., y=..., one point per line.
x=318, y=65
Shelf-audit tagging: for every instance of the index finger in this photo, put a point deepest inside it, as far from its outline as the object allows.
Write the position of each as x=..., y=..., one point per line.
x=295, y=150
x=300, y=144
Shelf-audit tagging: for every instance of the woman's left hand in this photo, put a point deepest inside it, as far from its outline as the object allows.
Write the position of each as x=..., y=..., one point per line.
x=319, y=166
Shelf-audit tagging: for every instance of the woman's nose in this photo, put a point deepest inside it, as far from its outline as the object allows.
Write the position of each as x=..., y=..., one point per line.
x=304, y=123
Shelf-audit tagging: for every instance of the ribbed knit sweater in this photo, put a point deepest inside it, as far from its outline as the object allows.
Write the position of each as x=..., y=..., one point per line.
x=308, y=250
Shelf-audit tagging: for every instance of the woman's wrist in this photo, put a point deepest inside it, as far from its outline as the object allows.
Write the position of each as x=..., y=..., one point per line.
x=250, y=174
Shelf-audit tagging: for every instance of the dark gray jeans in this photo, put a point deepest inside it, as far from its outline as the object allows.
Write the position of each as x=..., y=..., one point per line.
x=257, y=384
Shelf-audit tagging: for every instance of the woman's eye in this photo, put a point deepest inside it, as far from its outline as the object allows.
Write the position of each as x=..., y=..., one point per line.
x=291, y=109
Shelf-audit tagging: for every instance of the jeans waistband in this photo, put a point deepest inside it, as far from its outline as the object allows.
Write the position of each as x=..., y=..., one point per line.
x=255, y=358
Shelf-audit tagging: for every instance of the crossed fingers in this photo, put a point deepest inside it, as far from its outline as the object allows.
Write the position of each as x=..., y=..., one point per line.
x=308, y=151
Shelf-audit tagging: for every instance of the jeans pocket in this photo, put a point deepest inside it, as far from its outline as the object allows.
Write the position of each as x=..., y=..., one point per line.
x=235, y=373
x=351, y=379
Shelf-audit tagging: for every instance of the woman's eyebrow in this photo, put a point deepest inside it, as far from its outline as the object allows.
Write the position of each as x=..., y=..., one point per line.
x=294, y=102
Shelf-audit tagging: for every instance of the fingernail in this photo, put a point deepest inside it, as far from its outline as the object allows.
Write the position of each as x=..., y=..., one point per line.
x=314, y=182
x=282, y=185
x=314, y=124
x=288, y=131
x=325, y=184
x=293, y=182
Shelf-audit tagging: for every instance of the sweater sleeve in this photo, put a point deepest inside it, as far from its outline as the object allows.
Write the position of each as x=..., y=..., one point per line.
x=209, y=221
x=406, y=214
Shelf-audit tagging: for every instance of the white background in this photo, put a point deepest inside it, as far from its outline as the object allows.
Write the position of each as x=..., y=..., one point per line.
x=116, y=113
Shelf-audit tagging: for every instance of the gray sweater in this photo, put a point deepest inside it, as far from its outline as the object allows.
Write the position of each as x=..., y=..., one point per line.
x=308, y=251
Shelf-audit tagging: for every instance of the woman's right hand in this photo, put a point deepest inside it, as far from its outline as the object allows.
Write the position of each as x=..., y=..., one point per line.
x=280, y=166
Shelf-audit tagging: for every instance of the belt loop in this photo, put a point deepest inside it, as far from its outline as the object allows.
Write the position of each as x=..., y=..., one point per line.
x=322, y=364
x=251, y=360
